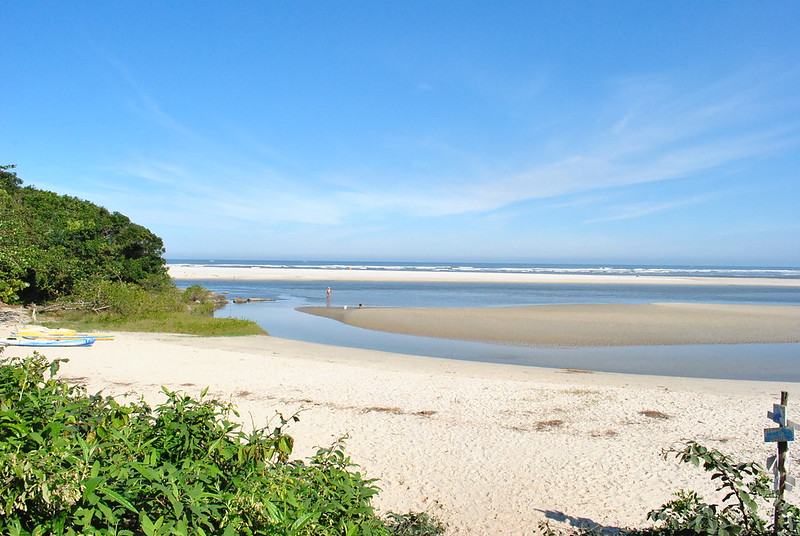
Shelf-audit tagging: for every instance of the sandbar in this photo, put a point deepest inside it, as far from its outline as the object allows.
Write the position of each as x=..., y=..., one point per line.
x=584, y=324
x=267, y=273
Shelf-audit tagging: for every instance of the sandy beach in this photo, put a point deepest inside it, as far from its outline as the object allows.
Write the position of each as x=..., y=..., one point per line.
x=264, y=273
x=490, y=449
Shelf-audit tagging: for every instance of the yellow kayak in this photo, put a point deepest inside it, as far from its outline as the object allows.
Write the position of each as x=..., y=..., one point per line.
x=60, y=334
x=66, y=337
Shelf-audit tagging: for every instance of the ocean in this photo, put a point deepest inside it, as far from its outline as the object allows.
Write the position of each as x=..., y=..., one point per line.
x=622, y=269
x=744, y=361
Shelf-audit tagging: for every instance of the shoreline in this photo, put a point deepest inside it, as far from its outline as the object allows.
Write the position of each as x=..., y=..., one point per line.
x=261, y=273
x=488, y=448
x=583, y=325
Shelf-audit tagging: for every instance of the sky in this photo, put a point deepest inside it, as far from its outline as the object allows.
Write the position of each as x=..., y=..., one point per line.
x=465, y=131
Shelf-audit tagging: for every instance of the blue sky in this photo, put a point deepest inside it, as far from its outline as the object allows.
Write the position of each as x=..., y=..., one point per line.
x=534, y=131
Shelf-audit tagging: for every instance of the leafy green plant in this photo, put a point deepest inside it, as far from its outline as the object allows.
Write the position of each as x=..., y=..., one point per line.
x=747, y=493
x=73, y=463
x=742, y=483
x=747, y=490
x=414, y=524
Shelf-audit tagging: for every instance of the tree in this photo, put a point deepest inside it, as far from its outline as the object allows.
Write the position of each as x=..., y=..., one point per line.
x=50, y=242
x=8, y=179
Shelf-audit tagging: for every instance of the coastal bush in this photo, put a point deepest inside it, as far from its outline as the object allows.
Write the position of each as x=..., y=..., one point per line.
x=73, y=463
x=122, y=300
x=199, y=300
x=49, y=243
x=114, y=305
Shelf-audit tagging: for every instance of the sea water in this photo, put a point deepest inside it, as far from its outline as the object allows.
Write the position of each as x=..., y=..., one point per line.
x=740, y=361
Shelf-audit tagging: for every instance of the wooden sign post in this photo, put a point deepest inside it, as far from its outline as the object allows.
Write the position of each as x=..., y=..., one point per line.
x=782, y=436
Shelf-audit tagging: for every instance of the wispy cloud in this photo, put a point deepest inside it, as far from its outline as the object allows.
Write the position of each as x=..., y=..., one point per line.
x=662, y=134
x=638, y=210
x=644, y=131
x=580, y=202
x=153, y=170
x=142, y=102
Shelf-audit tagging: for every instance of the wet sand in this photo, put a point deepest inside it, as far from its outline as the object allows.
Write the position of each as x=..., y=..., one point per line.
x=585, y=325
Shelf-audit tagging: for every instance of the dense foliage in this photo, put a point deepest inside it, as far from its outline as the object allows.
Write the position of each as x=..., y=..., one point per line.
x=50, y=243
x=72, y=463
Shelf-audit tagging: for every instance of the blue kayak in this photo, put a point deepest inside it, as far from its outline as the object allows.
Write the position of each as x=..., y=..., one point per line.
x=88, y=341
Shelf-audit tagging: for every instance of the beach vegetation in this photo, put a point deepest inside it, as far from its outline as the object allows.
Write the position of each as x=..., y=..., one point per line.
x=118, y=306
x=747, y=494
x=183, y=323
x=414, y=524
x=80, y=263
x=49, y=243
x=73, y=463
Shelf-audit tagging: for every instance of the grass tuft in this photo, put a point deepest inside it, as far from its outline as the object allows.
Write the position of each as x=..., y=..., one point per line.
x=183, y=323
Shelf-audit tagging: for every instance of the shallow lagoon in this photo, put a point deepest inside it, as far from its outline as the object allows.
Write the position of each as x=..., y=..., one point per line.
x=742, y=361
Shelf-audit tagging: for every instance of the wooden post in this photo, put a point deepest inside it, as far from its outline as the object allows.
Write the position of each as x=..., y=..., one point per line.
x=783, y=447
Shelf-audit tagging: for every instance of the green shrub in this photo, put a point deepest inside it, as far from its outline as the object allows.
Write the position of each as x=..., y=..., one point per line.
x=122, y=300
x=414, y=524
x=72, y=463
x=196, y=293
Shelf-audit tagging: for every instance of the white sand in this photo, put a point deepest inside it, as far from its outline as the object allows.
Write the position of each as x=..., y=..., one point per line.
x=264, y=273
x=491, y=449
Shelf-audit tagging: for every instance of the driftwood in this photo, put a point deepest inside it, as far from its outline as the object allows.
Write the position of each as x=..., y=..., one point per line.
x=73, y=306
